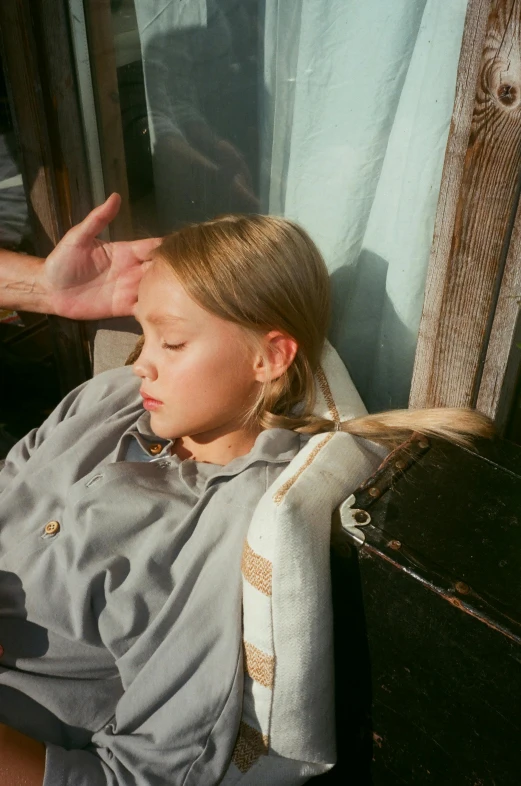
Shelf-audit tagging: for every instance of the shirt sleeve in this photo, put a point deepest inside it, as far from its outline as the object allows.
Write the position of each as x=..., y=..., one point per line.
x=20, y=453
x=86, y=395
x=163, y=749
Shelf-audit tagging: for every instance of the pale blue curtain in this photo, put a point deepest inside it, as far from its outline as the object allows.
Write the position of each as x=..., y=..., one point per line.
x=358, y=98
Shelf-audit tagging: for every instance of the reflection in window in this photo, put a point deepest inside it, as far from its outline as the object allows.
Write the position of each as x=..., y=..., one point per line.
x=188, y=79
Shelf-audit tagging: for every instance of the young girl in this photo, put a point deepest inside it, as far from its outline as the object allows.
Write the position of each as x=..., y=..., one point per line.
x=123, y=517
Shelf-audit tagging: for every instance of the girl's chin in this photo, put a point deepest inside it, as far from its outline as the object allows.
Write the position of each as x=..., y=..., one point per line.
x=160, y=427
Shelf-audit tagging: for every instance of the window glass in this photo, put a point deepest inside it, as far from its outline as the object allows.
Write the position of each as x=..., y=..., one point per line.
x=188, y=82
x=334, y=113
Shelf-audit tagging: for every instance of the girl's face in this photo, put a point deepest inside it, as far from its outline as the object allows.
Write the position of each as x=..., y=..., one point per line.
x=199, y=374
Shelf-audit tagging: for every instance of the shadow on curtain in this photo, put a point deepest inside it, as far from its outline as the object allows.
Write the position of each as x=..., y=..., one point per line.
x=357, y=106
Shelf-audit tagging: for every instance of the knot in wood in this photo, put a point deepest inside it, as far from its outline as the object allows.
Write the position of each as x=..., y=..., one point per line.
x=507, y=94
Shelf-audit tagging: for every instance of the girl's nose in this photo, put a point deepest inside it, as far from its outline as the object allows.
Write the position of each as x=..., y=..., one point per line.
x=144, y=367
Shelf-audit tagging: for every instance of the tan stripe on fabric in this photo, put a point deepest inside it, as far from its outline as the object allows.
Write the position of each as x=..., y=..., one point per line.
x=259, y=665
x=256, y=569
x=326, y=392
x=250, y=745
x=281, y=493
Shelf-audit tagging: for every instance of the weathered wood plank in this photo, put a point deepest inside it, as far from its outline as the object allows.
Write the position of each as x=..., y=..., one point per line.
x=476, y=209
x=501, y=367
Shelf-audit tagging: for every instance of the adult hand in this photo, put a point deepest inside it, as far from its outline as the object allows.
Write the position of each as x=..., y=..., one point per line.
x=89, y=278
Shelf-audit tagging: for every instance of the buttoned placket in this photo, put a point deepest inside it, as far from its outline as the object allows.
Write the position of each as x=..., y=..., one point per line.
x=158, y=449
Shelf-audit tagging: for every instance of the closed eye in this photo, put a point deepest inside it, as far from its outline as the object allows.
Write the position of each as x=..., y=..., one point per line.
x=174, y=347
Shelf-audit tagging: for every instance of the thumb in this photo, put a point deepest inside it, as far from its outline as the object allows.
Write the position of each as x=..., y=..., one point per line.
x=97, y=220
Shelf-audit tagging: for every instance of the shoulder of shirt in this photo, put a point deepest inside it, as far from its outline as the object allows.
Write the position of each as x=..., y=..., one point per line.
x=119, y=385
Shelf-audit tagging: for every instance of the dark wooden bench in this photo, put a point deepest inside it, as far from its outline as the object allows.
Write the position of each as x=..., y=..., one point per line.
x=427, y=605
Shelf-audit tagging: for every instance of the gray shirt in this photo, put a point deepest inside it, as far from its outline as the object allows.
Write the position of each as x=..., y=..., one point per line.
x=120, y=593
x=144, y=447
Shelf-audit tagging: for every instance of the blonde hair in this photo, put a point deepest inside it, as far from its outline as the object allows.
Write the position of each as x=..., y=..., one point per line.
x=265, y=273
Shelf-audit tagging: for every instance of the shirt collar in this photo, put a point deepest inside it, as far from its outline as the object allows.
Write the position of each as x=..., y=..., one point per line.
x=141, y=431
x=272, y=446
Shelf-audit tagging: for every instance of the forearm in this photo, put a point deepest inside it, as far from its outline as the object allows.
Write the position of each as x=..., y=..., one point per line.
x=22, y=286
x=22, y=759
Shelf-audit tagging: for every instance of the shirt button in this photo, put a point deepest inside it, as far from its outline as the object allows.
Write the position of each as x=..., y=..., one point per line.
x=52, y=527
x=155, y=448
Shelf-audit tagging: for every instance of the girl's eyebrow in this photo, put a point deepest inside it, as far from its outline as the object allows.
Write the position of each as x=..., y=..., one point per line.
x=160, y=319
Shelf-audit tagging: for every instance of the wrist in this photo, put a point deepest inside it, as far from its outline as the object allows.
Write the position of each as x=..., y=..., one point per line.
x=23, y=285
x=42, y=291
x=38, y=290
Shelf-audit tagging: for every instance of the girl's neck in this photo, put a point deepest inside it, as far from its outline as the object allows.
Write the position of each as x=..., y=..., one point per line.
x=220, y=450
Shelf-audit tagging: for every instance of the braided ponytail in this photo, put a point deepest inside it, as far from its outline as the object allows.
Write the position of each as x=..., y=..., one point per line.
x=391, y=428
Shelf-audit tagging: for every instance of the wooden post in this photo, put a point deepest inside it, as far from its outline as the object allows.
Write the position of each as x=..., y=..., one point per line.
x=476, y=215
x=502, y=361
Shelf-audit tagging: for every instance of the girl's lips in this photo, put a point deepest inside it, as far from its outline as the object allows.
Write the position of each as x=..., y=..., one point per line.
x=151, y=403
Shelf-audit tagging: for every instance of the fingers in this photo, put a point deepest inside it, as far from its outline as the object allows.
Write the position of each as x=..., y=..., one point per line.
x=97, y=219
x=142, y=249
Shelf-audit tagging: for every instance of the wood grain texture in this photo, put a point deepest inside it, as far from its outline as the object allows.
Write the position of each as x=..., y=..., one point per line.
x=501, y=367
x=106, y=92
x=476, y=209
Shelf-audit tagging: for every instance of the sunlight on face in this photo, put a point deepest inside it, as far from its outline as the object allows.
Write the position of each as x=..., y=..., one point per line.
x=197, y=370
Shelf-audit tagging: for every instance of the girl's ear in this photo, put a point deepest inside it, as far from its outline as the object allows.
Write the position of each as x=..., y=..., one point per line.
x=279, y=351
